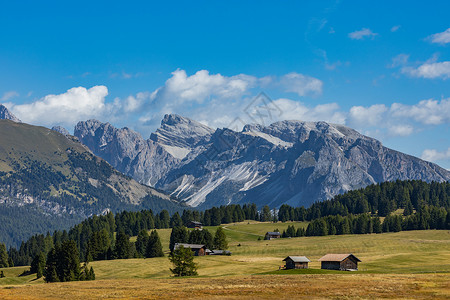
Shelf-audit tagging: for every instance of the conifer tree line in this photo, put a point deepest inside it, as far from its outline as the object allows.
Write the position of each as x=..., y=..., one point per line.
x=426, y=206
x=378, y=199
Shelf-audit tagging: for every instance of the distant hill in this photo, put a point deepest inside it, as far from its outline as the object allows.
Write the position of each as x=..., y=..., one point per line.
x=50, y=181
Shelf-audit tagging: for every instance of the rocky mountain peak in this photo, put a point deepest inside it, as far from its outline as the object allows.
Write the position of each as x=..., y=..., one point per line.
x=61, y=130
x=181, y=132
x=5, y=114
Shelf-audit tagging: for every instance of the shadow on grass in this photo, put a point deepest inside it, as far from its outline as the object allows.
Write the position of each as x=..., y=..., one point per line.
x=302, y=271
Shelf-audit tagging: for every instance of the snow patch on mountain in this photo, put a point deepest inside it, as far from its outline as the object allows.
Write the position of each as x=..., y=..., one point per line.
x=270, y=138
x=176, y=152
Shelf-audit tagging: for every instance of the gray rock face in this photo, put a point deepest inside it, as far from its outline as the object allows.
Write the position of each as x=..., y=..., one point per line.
x=5, y=114
x=61, y=130
x=126, y=150
x=290, y=162
x=180, y=132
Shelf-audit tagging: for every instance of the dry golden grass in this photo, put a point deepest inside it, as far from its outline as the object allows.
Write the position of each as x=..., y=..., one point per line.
x=369, y=286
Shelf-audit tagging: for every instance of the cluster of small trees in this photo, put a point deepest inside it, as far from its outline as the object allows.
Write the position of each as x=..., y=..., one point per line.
x=63, y=264
x=292, y=232
x=181, y=234
x=149, y=245
x=100, y=247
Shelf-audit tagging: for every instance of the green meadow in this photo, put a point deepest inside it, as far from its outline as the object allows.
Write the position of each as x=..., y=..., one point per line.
x=407, y=253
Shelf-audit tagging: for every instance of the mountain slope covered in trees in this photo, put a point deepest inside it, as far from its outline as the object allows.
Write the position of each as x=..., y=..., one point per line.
x=48, y=181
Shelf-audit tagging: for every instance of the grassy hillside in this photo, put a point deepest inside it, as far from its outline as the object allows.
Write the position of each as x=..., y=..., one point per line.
x=401, y=253
x=404, y=264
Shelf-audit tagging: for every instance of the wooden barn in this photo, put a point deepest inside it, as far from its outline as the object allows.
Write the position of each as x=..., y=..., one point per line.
x=195, y=225
x=199, y=250
x=296, y=262
x=343, y=262
x=272, y=235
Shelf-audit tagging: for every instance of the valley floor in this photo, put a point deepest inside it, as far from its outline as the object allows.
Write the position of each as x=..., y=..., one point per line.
x=409, y=264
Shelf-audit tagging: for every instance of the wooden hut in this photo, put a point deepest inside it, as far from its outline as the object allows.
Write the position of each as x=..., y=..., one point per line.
x=195, y=225
x=343, y=262
x=272, y=235
x=296, y=262
x=199, y=250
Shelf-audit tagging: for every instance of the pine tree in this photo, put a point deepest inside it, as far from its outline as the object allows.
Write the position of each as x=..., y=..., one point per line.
x=408, y=209
x=3, y=256
x=220, y=239
x=377, y=228
x=91, y=274
x=164, y=219
x=266, y=215
x=176, y=220
x=63, y=263
x=98, y=244
x=179, y=234
x=141, y=242
x=154, y=247
x=183, y=261
x=122, y=246
x=68, y=267
x=38, y=265
x=50, y=274
x=290, y=232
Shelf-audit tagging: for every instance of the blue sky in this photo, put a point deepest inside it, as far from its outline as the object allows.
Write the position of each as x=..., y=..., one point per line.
x=382, y=69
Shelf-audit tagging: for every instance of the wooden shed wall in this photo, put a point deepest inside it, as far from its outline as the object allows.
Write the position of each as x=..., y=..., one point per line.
x=349, y=263
x=331, y=265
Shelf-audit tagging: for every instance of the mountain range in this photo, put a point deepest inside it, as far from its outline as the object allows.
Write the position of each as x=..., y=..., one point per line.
x=292, y=162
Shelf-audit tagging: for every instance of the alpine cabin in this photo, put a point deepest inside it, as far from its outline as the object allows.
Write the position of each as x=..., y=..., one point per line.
x=195, y=225
x=343, y=262
x=272, y=235
x=296, y=262
x=199, y=250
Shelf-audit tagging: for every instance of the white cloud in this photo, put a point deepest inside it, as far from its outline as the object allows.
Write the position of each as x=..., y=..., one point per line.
x=134, y=103
x=398, y=119
x=434, y=155
x=430, y=70
x=294, y=110
x=399, y=60
x=181, y=88
x=361, y=34
x=66, y=109
x=395, y=28
x=301, y=84
x=429, y=112
x=401, y=130
x=441, y=37
x=9, y=95
x=360, y=116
